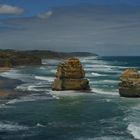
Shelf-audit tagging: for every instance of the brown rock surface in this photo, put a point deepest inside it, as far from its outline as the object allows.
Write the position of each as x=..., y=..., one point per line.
x=130, y=83
x=70, y=76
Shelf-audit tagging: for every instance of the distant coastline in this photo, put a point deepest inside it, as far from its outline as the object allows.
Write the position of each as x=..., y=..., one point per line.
x=12, y=58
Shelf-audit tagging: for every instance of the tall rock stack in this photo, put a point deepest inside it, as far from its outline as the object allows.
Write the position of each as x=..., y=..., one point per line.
x=70, y=75
x=130, y=83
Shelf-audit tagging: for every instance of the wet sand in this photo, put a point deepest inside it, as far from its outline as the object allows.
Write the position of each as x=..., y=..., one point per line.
x=7, y=88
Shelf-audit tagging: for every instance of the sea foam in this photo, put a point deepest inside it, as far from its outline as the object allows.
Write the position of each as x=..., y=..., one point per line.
x=134, y=130
x=101, y=91
x=30, y=98
x=50, y=79
x=97, y=74
x=103, y=138
x=11, y=126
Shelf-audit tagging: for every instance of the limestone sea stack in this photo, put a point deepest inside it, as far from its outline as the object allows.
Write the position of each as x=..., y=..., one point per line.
x=130, y=83
x=70, y=75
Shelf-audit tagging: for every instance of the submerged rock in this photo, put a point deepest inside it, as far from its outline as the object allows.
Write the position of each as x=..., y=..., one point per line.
x=130, y=83
x=70, y=75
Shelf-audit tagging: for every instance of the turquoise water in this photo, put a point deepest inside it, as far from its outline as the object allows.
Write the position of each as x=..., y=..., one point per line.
x=71, y=115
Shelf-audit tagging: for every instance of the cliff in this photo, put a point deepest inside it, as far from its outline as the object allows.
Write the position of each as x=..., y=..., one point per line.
x=53, y=54
x=11, y=58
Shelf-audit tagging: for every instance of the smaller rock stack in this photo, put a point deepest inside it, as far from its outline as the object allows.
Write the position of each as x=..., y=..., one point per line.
x=70, y=75
x=130, y=83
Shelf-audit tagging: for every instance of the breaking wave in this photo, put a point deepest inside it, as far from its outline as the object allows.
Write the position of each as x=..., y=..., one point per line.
x=11, y=126
x=134, y=130
x=46, y=78
x=101, y=91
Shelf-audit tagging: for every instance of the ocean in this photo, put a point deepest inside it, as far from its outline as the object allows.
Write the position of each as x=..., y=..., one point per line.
x=44, y=114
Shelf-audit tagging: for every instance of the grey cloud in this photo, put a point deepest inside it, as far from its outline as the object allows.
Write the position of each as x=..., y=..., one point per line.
x=9, y=9
x=103, y=30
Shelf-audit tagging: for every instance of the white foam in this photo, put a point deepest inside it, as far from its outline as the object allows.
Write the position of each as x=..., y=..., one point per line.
x=108, y=100
x=23, y=99
x=134, y=130
x=88, y=58
x=110, y=81
x=89, y=69
x=22, y=87
x=33, y=88
x=3, y=106
x=95, y=61
x=50, y=61
x=42, y=68
x=100, y=66
x=10, y=74
x=39, y=125
x=103, y=138
x=110, y=66
x=101, y=91
x=28, y=87
x=12, y=101
x=10, y=126
x=45, y=78
x=14, y=74
x=53, y=71
x=106, y=70
x=36, y=86
x=70, y=93
x=97, y=74
x=30, y=98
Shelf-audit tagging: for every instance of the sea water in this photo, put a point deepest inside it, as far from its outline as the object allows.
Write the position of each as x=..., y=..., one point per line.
x=71, y=115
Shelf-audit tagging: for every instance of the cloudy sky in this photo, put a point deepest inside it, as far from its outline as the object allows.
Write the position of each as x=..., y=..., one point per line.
x=105, y=27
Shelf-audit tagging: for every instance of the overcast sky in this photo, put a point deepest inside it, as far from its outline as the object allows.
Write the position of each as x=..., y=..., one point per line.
x=105, y=27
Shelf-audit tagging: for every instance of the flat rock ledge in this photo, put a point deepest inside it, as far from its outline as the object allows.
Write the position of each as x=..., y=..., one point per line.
x=130, y=83
x=70, y=75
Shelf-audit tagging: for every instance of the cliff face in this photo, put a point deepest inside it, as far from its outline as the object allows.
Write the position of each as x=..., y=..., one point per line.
x=70, y=76
x=12, y=58
x=130, y=83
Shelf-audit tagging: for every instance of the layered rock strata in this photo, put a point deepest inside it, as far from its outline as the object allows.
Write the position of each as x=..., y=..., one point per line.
x=70, y=75
x=130, y=83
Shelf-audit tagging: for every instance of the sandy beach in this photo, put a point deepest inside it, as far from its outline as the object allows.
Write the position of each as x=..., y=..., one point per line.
x=3, y=94
x=4, y=69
